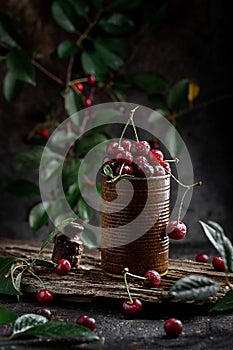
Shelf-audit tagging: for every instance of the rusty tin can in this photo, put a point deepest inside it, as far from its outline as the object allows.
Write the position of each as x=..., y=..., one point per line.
x=133, y=229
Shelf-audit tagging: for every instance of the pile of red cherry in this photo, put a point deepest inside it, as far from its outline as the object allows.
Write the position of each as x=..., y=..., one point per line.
x=135, y=159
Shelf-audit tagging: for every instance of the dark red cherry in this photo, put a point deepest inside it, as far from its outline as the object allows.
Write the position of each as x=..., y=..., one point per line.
x=202, y=258
x=91, y=78
x=88, y=102
x=176, y=230
x=158, y=154
x=112, y=149
x=154, y=144
x=124, y=157
x=44, y=296
x=153, y=278
x=173, y=327
x=218, y=264
x=85, y=321
x=43, y=311
x=126, y=144
x=140, y=148
x=159, y=170
x=152, y=158
x=131, y=309
x=63, y=267
x=127, y=169
x=166, y=166
x=79, y=86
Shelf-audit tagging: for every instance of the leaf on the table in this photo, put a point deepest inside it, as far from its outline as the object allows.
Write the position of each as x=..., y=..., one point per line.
x=193, y=288
x=226, y=303
x=43, y=262
x=5, y=264
x=7, y=316
x=215, y=233
x=61, y=330
x=16, y=277
x=7, y=286
x=26, y=322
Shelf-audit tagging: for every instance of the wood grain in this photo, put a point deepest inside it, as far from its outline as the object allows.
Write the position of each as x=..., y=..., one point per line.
x=88, y=281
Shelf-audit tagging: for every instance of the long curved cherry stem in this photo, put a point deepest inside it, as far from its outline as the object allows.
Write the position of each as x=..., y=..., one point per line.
x=127, y=124
x=182, y=202
x=127, y=286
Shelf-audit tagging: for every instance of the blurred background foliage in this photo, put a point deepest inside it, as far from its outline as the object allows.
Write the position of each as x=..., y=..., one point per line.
x=63, y=56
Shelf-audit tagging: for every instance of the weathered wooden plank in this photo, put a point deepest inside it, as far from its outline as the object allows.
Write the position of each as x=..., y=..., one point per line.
x=89, y=281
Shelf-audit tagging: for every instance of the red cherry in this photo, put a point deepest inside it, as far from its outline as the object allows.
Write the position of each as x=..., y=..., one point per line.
x=85, y=321
x=202, y=258
x=165, y=165
x=159, y=170
x=153, y=278
x=154, y=144
x=158, y=154
x=127, y=169
x=63, y=267
x=132, y=309
x=44, y=312
x=152, y=158
x=79, y=87
x=91, y=78
x=140, y=148
x=43, y=133
x=218, y=264
x=44, y=296
x=176, y=230
x=112, y=149
x=124, y=157
x=88, y=102
x=173, y=327
x=126, y=144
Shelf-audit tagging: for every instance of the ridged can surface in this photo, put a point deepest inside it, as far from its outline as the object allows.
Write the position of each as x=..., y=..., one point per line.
x=135, y=213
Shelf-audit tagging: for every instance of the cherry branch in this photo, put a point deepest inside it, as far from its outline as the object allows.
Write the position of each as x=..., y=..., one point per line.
x=48, y=73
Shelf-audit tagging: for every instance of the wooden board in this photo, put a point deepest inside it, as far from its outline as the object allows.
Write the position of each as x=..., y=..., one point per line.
x=88, y=282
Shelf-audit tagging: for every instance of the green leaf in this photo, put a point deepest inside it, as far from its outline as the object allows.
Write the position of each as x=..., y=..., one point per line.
x=124, y=5
x=6, y=316
x=85, y=212
x=178, y=95
x=28, y=159
x=87, y=142
x=91, y=63
x=116, y=24
x=63, y=137
x=26, y=322
x=109, y=58
x=7, y=286
x=80, y=6
x=73, y=195
x=66, y=48
x=5, y=264
x=11, y=87
x=23, y=188
x=89, y=238
x=20, y=66
x=73, y=102
x=52, y=234
x=16, y=280
x=219, y=240
x=119, y=46
x=65, y=15
x=158, y=101
x=8, y=34
x=120, y=95
x=107, y=170
x=226, y=303
x=70, y=172
x=107, y=116
x=173, y=142
x=43, y=262
x=38, y=216
x=60, y=330
x=193, y=288
x=52, y=169
x=149, y=81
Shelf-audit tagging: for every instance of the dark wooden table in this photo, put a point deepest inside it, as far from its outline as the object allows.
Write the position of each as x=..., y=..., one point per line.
x=202, y=329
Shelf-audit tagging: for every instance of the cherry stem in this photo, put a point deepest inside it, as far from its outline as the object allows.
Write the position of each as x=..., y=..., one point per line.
x=37, y=277
x=136, y=276
x=127, y=124
x=181, y=203
x=127, y=286
x=199, y=183
x=175, y=160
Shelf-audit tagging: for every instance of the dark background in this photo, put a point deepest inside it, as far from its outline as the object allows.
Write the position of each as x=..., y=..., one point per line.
x=194, y=43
